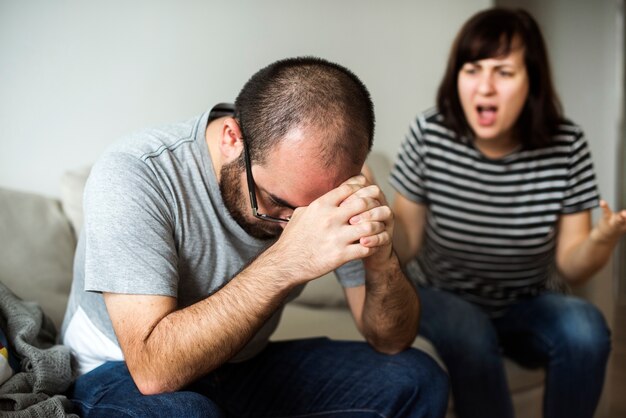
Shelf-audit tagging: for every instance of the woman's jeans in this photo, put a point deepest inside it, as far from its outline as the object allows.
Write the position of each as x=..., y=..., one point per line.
x=305, y=378
x=566, y=335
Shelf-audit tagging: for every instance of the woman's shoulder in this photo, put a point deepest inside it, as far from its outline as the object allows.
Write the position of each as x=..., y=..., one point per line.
x=566, y=129
x=431, y=122
x=567, y=138
x=432, y=115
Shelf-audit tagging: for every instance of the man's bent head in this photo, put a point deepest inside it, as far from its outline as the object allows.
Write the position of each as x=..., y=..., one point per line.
x=309, y=94
x=302, y=126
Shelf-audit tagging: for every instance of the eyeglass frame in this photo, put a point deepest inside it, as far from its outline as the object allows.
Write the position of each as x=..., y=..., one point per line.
x=252, y=189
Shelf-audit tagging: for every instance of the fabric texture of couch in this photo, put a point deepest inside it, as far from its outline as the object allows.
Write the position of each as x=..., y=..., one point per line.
x=38, y=237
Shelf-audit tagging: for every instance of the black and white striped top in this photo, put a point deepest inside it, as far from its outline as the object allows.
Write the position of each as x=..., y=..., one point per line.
x=491, y=224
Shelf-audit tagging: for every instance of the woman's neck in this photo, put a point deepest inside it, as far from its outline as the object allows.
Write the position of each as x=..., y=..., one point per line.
x=497, y=147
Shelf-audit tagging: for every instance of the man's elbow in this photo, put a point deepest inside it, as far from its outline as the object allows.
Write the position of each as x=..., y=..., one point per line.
x=152, y=387
x=389, y=347
x=149, y=384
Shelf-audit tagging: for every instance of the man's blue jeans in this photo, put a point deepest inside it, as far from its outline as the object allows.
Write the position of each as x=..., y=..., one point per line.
x=566, y=335
x=304, y=378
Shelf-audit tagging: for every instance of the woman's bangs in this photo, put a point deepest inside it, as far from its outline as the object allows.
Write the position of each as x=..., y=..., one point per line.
x=485, y=44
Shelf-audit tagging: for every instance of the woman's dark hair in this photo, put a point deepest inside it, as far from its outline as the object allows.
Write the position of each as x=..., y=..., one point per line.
x=307, y=92
x=495, y=33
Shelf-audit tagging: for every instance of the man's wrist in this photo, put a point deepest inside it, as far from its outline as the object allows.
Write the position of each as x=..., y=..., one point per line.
x=389, y=267
x=270, y=267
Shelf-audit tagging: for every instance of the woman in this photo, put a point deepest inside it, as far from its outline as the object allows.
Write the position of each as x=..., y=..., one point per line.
x=495, y=189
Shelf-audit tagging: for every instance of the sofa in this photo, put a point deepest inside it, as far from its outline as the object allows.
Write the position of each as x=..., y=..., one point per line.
x=38, y=236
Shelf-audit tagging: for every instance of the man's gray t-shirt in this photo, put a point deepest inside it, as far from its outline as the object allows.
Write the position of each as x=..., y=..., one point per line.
x=156, y=224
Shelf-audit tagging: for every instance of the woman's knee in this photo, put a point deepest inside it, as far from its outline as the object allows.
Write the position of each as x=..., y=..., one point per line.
x=582, y=329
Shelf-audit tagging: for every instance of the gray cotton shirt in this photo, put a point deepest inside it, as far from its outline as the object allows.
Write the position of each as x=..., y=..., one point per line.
x=156, y=224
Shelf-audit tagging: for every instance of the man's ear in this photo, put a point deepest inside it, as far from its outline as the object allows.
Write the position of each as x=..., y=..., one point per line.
x=230, y=141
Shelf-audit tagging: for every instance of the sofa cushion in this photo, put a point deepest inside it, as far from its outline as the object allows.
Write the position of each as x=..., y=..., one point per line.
x=323, y=292
x=37, y=250
x=338, y=324
x=72, y=187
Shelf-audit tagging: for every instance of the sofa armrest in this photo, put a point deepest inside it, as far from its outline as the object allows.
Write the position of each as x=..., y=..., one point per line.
x=37, y=250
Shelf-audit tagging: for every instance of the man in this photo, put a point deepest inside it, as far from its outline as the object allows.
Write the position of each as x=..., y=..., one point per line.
x=179, y=283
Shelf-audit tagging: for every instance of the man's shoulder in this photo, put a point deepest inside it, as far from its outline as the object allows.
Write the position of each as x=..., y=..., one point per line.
x=141, y=160
x=151, y=142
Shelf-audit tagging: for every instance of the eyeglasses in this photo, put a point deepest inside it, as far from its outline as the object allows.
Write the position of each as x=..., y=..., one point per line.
x=252, y=189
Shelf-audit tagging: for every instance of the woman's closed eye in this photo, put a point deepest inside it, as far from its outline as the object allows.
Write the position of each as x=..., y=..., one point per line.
x=470, y=69
x=503, y=72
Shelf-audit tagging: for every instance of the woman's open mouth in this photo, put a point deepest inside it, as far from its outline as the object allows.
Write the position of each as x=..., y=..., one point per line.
x=486, y=114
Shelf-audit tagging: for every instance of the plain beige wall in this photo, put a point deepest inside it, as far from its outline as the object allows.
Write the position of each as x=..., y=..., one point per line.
x=76, y=75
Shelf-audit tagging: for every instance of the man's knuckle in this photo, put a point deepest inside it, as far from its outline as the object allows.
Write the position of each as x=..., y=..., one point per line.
x=370, y=228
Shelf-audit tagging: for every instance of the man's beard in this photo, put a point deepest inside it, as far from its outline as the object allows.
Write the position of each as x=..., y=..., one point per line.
x=235, y=202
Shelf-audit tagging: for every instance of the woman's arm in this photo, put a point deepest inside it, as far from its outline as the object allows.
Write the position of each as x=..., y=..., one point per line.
x=582, y=251
x=409, y=230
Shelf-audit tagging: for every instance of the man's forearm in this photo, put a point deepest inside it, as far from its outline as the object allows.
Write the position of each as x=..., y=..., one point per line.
x=391, y=310
x=191, y=342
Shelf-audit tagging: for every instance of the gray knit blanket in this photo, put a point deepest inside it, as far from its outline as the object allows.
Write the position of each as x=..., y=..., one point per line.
x=46, y=368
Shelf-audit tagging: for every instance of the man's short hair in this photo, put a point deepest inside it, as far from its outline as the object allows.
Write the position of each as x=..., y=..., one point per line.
x=307, y=92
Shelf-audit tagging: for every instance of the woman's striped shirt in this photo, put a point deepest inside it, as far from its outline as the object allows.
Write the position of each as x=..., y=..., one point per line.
x=491, y=224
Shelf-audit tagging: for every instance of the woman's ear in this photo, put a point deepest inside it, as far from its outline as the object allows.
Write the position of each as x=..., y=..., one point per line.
x=230, y=141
